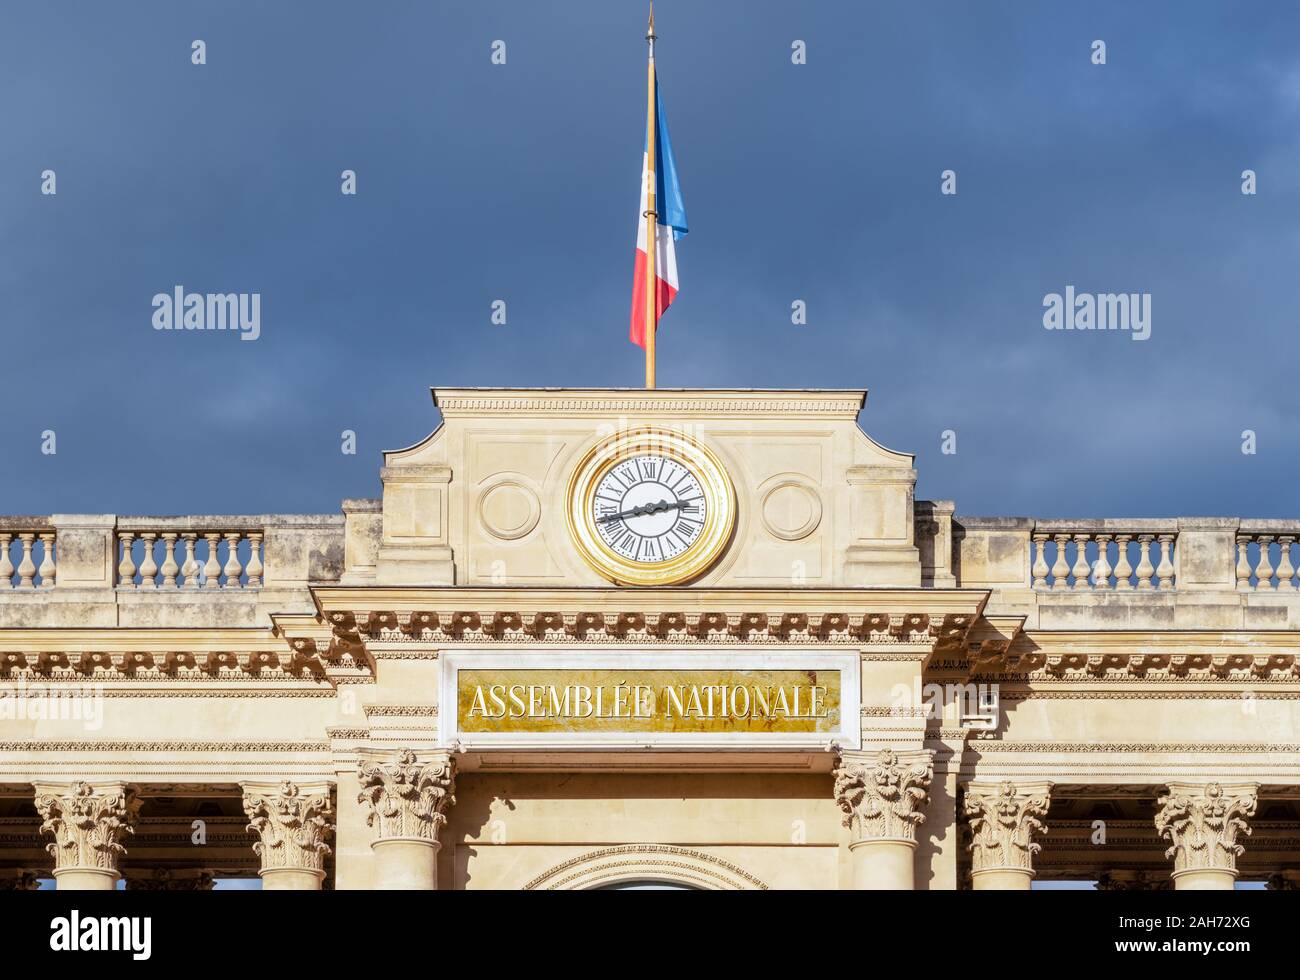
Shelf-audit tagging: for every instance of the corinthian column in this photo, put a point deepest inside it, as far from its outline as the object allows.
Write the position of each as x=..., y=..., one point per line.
x=1003, y=820
x=88, y=824
x=1202, y=823
x=882, y=797
x=407, y=803
x=292, y=824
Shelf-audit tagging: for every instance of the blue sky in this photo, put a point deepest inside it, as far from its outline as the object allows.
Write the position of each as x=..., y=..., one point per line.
x=817, y=182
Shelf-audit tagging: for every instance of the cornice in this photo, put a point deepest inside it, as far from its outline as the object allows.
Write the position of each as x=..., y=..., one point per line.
x=929, y=618
x=986, y=746
x=570, y=402
x=50, y=745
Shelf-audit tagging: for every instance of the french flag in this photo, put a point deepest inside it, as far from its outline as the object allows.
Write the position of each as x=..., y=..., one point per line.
x=671, y=226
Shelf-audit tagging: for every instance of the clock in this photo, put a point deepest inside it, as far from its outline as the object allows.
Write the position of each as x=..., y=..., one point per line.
x=650, y=507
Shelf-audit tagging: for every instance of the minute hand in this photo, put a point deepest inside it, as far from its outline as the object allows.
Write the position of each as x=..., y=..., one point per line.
x=641, y=511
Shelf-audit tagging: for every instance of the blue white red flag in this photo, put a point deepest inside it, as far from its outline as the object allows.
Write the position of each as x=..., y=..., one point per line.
x=671, y=226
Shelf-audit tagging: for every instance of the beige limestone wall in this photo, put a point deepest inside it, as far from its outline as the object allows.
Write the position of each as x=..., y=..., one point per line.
x=507, y=829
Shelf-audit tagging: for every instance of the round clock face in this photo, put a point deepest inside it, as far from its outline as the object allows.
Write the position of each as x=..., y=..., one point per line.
x=650, y=507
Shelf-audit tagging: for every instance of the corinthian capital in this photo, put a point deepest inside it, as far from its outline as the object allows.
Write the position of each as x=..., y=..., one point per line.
x=87, y=823
x=882, y=796
x=1003, y=820
x=292, y=824
x=1202, y=824
x=408, y=799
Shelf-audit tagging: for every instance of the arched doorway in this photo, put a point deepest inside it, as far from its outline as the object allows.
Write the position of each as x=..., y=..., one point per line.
x=632, y=867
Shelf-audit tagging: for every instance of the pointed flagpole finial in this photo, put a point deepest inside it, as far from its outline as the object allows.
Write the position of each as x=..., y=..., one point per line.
x=650, y=30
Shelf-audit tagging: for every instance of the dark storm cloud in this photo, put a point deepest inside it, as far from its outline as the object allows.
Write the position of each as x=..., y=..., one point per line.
x=518, y=182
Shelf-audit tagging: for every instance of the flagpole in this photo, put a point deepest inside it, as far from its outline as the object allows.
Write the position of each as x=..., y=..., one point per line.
x=651, y=216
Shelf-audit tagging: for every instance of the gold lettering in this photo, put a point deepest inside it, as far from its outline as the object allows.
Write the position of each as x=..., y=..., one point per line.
x=559, y=709
x=478, y=707
x=782, y=705
x=516, y=694
x=673, y=696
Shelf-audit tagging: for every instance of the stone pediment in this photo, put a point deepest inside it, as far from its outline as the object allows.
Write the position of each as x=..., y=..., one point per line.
x=482, y=501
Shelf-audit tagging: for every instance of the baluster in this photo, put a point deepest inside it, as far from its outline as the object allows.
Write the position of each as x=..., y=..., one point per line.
x=1243, y=562
x=1264, y=570
x=212, y=567
x=48, y=569
x=1285, y=570
x=233, y=568
x=190, y=567
x=1123, y=570
x=1081, y=567
x=1040, y=568
x=1101, y=568
x=1145, y=568
x=254, y=568
x=1060, y=567
x=1165, y=571
x=6, y=566
x=148, y=567
x=126, y=568
x=26, y=567
x=169, y=566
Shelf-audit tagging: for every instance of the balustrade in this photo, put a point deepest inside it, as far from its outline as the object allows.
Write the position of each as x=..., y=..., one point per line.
x=1071, y=559
x=28, y=557
x=1265, y=562
x=191, y=560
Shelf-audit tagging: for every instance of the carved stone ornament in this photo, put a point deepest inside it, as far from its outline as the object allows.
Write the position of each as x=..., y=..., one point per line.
x=87, y=823
x=1003, y=822
x=165, y=880
x=408, y=799
x=882, y=800
x=20, y=880
x=1133, y=881
x=292, y=826
x=1202, y=825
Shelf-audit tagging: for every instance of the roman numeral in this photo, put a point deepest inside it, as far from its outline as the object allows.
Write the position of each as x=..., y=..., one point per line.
x=685, y=527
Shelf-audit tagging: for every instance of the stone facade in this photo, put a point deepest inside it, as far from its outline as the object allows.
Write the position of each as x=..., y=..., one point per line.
x=955, y=701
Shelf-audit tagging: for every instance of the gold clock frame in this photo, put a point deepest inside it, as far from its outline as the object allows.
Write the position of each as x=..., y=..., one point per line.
x=719, y=519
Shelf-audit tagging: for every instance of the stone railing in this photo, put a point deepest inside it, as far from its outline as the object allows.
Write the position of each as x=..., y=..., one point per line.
x=1266, y=560
x=1104, y=555
x=28, y=555
x=189, y=553
x=1062, y=557
x=104, y=570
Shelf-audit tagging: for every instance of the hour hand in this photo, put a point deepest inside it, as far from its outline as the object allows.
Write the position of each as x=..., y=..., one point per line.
x=640, y=511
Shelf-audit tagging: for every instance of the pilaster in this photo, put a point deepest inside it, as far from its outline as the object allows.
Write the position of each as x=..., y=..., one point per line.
x=292, y=823
x=1202, y=823
x=88, y=824
x=407, y=802
x=882, y=798
x=1003, y=820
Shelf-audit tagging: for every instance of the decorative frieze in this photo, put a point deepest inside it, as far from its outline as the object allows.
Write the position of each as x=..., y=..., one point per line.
x=1202, y=824
x=1003, y=821
x=87, y=822
x=166, y=880
x=292, y=825
x=408, y=799
x=19, y=880
x=882, y=797
x=915, y=629
x=1133, y=881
